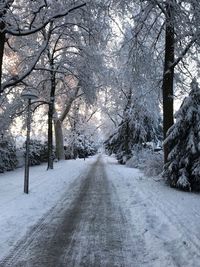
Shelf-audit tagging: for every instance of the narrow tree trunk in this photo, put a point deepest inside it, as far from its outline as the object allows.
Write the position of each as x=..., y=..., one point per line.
x=168, y=76
x=2, y=44
x=73, y=151
x=59, y=140
x=127, y=134
x=127, y=139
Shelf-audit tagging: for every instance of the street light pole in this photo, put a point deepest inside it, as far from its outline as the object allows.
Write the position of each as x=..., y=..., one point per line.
x=29, y=95
x=26, y=173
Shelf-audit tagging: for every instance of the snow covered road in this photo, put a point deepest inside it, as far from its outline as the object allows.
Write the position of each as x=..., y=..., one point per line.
x=20, y=212
x=98, y=213
x=91, y=230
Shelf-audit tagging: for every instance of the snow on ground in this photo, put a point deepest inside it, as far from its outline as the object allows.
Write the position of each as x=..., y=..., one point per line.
x=18, y=211
x=165, y=222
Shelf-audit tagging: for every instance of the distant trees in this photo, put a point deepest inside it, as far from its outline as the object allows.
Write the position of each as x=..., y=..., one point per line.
x=183, y=139
x=81, y=134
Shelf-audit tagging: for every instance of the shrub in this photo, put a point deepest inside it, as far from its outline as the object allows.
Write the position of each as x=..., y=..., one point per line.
x=154, y=164
x=149, y=161
x=35, y=152
x=38, y=152
x=80, y=149
x=8, y=159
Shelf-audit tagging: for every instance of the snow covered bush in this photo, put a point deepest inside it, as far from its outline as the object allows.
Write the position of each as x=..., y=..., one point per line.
x=85, y=147
x=34, y=153
x=149, y=161
x=154, y=164
x=38, y=152
x=137, y=158
x=183, y=167
x=8, y=159
x=44, y=152
x=81, y=148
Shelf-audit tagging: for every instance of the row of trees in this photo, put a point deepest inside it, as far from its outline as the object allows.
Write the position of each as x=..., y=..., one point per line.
x=50, y=46
x=63, y=49
x=160, y=47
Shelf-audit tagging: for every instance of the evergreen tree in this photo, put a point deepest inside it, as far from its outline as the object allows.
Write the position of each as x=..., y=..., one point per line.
x=182, y=169
x=137, y=127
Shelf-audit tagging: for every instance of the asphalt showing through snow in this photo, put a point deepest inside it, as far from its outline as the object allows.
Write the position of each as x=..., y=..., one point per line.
x=91, y=231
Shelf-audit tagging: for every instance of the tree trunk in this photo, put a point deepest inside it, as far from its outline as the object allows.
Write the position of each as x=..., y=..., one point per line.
x=127, y=134
x=60, y=153
x=2, y=44
x=168, y=76
x=127, y=139
x=59, y=140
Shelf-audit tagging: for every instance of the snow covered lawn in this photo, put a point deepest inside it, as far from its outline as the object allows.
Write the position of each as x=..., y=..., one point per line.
x=18, y=211
x=165, y=223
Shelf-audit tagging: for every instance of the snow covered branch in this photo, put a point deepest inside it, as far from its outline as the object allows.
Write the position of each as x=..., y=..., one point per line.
x=16, y=80
x=21, y=32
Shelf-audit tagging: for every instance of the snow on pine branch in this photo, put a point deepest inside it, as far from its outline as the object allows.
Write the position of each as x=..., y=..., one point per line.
x=183, y=167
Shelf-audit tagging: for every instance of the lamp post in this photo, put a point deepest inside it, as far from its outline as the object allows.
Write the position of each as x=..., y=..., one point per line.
x=28, y=94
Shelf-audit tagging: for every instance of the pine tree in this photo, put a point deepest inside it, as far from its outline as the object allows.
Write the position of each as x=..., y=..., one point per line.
x=136, y=128
x=182, y=169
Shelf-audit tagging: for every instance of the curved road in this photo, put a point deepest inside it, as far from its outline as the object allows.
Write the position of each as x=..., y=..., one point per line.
x=91, y=231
